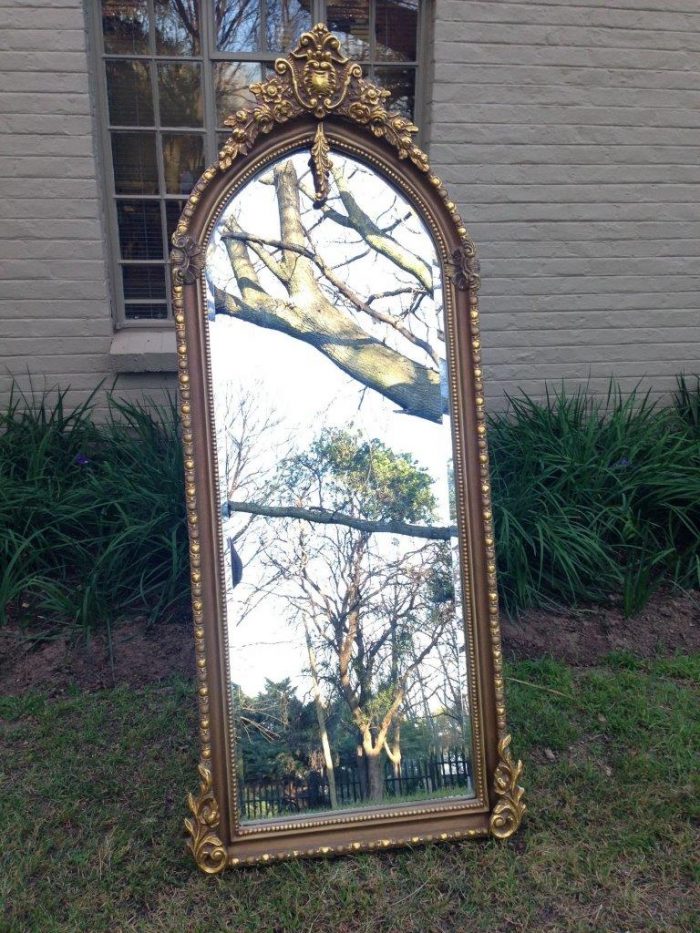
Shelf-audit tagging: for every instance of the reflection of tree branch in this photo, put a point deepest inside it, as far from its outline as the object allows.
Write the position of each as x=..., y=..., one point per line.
x=377, y=239
x=308, y=315
x=256, y=244
x=327, y=517
x=234, y=231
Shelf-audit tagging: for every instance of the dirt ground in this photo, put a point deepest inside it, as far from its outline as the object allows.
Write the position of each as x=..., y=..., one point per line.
x=144, y=654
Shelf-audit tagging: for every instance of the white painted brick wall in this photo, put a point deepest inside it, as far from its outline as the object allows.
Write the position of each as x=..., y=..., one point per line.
x=55, y=318
x=569, y=134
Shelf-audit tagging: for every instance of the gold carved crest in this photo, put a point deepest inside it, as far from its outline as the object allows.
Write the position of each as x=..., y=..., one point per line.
x=316, y=78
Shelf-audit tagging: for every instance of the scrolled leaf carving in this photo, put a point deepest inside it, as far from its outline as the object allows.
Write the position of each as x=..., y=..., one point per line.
x=507, y=814
x=186, y=259
x=464, y=268
x=205, y=845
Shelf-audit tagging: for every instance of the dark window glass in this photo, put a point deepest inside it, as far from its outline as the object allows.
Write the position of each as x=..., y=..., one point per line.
x=177, y=27
x=400, y=82
x=285, y=21
x=231, y=80
x=125, y=26
x=142, y=312
x=180, y=94
x=349, y=20
x=140, y=231
x=129, y=93
x=396, y=29
x=183, y=161
x=238, y=25
x=134, y=158
x=144, y=281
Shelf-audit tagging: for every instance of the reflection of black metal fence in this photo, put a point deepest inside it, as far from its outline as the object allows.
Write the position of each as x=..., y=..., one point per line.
x=437, y=773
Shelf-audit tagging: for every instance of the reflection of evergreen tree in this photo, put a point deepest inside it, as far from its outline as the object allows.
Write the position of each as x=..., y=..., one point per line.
x=277, y=733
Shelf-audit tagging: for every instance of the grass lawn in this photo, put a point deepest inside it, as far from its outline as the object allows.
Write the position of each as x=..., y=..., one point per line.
x=92, y=791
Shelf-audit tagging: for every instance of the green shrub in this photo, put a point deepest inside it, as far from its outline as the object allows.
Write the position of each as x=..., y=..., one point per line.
x=593, y=499
x=92, y=515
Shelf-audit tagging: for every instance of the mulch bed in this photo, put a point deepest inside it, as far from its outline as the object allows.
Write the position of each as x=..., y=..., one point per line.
x=145, y=654
x=668, y=624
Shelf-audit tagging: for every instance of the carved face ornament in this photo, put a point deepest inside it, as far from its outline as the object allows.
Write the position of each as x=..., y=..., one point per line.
x=320, y=80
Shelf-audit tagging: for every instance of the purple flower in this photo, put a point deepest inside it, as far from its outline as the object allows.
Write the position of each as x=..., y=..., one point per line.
x=622, y=464
x=81, y=459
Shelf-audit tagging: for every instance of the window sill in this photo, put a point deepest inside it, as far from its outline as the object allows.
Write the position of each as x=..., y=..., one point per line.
x=143, y=350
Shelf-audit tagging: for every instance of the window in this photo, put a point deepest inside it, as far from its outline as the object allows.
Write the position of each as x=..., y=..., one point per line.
x=170, y=71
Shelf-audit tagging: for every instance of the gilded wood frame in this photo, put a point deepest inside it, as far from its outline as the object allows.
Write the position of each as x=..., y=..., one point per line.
x=318, y=101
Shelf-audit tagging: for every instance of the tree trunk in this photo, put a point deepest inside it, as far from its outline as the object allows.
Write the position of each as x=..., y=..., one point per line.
x=396, y=751
x=375, y=769
x=362, y=772
x=321, y=717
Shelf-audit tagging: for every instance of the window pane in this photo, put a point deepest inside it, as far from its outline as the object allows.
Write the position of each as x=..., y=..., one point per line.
x=396, y=30
x=180, y=93
x=140, y=231
x=238, y=25
x=177, y=27
x=125, y=26
x=144, y=281
x=231, y=80
x=139, y=312
x=129, y=93
x=401, y=83
x=349, y=20
x=183, y=162
x=173, y=209
x=286, y=20
x=134, y=158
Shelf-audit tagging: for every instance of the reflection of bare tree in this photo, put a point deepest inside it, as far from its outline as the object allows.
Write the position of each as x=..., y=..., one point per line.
x=249, y=444
x=374, y=623
x=321, y=308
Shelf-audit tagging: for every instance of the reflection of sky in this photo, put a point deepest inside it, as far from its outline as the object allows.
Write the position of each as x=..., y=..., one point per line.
x=306, y=392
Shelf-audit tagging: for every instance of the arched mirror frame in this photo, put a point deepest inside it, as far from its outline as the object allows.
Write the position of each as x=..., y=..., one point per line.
x=292, y=114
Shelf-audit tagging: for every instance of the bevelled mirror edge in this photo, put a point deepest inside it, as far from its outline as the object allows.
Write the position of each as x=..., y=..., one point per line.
x=317, y=91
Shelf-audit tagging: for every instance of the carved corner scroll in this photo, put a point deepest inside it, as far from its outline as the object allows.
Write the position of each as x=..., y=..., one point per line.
x=463, y=269
x=507, y=814
x=206, y=847
x=317, y=79
x=186, y=259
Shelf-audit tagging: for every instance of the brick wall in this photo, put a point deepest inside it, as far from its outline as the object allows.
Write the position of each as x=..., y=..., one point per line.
x=569, y=133
x=55, y=319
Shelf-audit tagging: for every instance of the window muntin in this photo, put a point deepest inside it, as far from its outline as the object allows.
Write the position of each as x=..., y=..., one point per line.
x=171, y=71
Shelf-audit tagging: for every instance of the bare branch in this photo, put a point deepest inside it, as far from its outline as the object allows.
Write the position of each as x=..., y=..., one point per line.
x=326, y=517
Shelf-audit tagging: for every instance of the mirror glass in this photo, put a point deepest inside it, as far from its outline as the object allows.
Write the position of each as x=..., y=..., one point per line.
x=334, y=448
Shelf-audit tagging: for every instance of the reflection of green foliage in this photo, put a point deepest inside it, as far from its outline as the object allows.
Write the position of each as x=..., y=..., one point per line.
x=446, y=729
x=364, y=476
x=276, y=733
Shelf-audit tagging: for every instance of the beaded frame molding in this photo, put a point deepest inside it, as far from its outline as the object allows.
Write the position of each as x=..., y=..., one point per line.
x=319, y=102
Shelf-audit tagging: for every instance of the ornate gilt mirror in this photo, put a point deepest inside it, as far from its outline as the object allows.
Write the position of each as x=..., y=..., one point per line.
x=342, y=554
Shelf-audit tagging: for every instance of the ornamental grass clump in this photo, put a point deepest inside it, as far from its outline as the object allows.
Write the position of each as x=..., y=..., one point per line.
x=594, y=499
x=91, y=514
